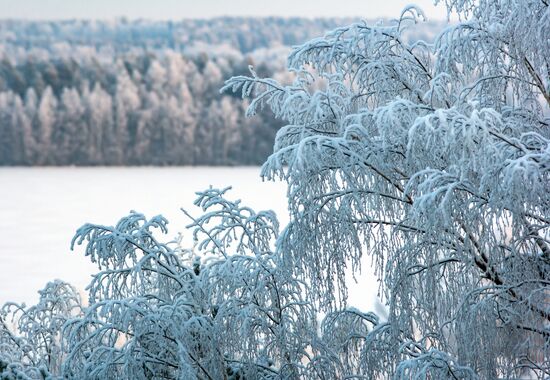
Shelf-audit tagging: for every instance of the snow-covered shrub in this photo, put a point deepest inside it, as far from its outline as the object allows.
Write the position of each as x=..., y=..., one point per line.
x=226, y=310
x=30, y=337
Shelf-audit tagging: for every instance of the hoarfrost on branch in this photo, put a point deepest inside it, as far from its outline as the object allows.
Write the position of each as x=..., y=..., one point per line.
x=431, y=159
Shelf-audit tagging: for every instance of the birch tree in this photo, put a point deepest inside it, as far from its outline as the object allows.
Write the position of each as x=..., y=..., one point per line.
x=432, y=160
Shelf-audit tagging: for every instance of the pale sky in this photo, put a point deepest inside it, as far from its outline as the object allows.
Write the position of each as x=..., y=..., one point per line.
x=178, y=9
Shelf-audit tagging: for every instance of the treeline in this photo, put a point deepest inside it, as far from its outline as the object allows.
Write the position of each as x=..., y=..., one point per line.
x=242, y=34
x=140, y=92
x=145, y=110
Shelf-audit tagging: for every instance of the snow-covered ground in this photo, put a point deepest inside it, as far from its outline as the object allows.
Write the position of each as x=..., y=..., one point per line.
x=41, y=208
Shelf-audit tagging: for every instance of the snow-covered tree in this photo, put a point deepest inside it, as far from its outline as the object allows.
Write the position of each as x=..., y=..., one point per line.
x=45, y=126
x=433, y=160
x=70, y=135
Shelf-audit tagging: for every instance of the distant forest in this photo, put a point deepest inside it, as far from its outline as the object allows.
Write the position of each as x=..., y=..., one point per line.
x=141, y=92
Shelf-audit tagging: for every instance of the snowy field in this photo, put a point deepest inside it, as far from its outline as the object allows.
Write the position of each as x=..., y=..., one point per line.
x=41, y=208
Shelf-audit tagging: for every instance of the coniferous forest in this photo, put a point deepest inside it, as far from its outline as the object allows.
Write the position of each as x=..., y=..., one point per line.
x=142, y=92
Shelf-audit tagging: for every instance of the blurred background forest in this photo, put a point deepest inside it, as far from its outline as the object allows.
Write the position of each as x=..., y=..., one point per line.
x=142, y=92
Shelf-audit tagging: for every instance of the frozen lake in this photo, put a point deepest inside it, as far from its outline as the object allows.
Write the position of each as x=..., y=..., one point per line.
x=41, y=208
